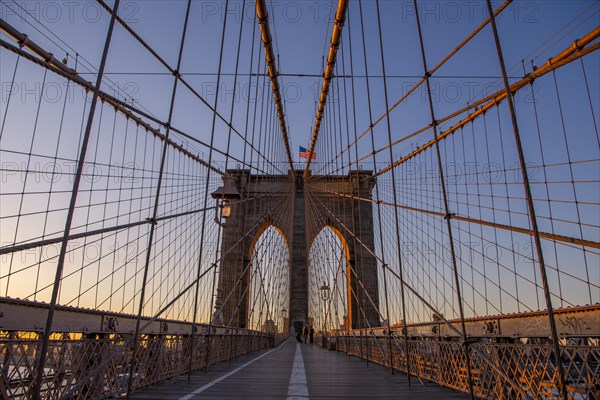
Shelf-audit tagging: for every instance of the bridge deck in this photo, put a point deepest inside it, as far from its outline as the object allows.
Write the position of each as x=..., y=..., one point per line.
x=282, y=373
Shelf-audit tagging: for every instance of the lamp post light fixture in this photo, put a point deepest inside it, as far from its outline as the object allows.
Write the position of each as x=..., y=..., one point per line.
x=325, y=292
x=223, y=195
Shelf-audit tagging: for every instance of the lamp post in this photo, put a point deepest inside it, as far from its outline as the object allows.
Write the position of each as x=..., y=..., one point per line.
x=325, y=297
x=223, y=195
x=283, y=324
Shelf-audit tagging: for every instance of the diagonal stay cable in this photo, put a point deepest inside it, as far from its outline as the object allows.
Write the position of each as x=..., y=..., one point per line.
x=545, y=235
x=106, y=361
x=574, y=52
x=46, y=242
x=370, y=251
x=80, y=60
x=451, y=54
x=178, y=75
x=115, y=103
x=48, y=61
x=577, y=50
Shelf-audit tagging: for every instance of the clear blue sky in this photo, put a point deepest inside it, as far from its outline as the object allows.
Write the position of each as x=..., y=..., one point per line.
x=529, y=30
x=301, y=31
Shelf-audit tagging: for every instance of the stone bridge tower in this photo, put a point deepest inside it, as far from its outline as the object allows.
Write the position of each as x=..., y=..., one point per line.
x=281, y=201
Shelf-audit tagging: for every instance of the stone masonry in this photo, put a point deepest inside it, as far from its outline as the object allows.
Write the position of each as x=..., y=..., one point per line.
x=267, y=203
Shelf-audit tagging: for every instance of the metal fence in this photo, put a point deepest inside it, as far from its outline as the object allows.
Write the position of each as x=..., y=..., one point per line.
x=502, y=369
x=97, y=366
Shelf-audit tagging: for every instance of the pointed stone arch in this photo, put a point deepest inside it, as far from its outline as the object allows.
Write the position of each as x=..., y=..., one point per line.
x=347, y=267
x=262, y=263
x=252, y=217
x=249, y=219
x=362, y=282
x=262, y=229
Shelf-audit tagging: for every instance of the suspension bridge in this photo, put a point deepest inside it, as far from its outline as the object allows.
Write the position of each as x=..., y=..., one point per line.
x=161, y=238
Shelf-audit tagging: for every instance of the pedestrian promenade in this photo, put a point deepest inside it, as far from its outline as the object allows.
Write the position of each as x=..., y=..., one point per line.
x=300, y=372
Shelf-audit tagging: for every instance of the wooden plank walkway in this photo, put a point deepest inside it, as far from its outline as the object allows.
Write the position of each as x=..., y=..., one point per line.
x=296, y=371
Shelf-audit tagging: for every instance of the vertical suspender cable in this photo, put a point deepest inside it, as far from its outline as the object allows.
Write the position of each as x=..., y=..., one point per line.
x=9, y=97
x=589, y=96
x=336, y=35
x=446, y=207
x=37, y=384
x=25, y=179
x=547, y=191
x=206, y=187
x=352, y=202
x=235, y=79
x=350, y=308
x=156, y=206
x=395, y=196
x=263, y=19
x=532, y=215
x=362, y=27
x=575, y=197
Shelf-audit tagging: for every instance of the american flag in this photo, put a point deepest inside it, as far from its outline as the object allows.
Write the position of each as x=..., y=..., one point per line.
x=304, y=153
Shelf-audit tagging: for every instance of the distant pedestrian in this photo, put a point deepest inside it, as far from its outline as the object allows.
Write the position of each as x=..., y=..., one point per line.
x=299, y=336
x=305, y=334
x=311, y=334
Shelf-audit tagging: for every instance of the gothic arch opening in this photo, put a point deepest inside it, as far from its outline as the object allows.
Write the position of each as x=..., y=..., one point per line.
x=329, y=281
x=268, y=277
x=243, y=279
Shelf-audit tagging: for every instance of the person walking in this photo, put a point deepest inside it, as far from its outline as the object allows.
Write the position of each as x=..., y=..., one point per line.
x=311, y=334
x=299, y=336
x=305, y=334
